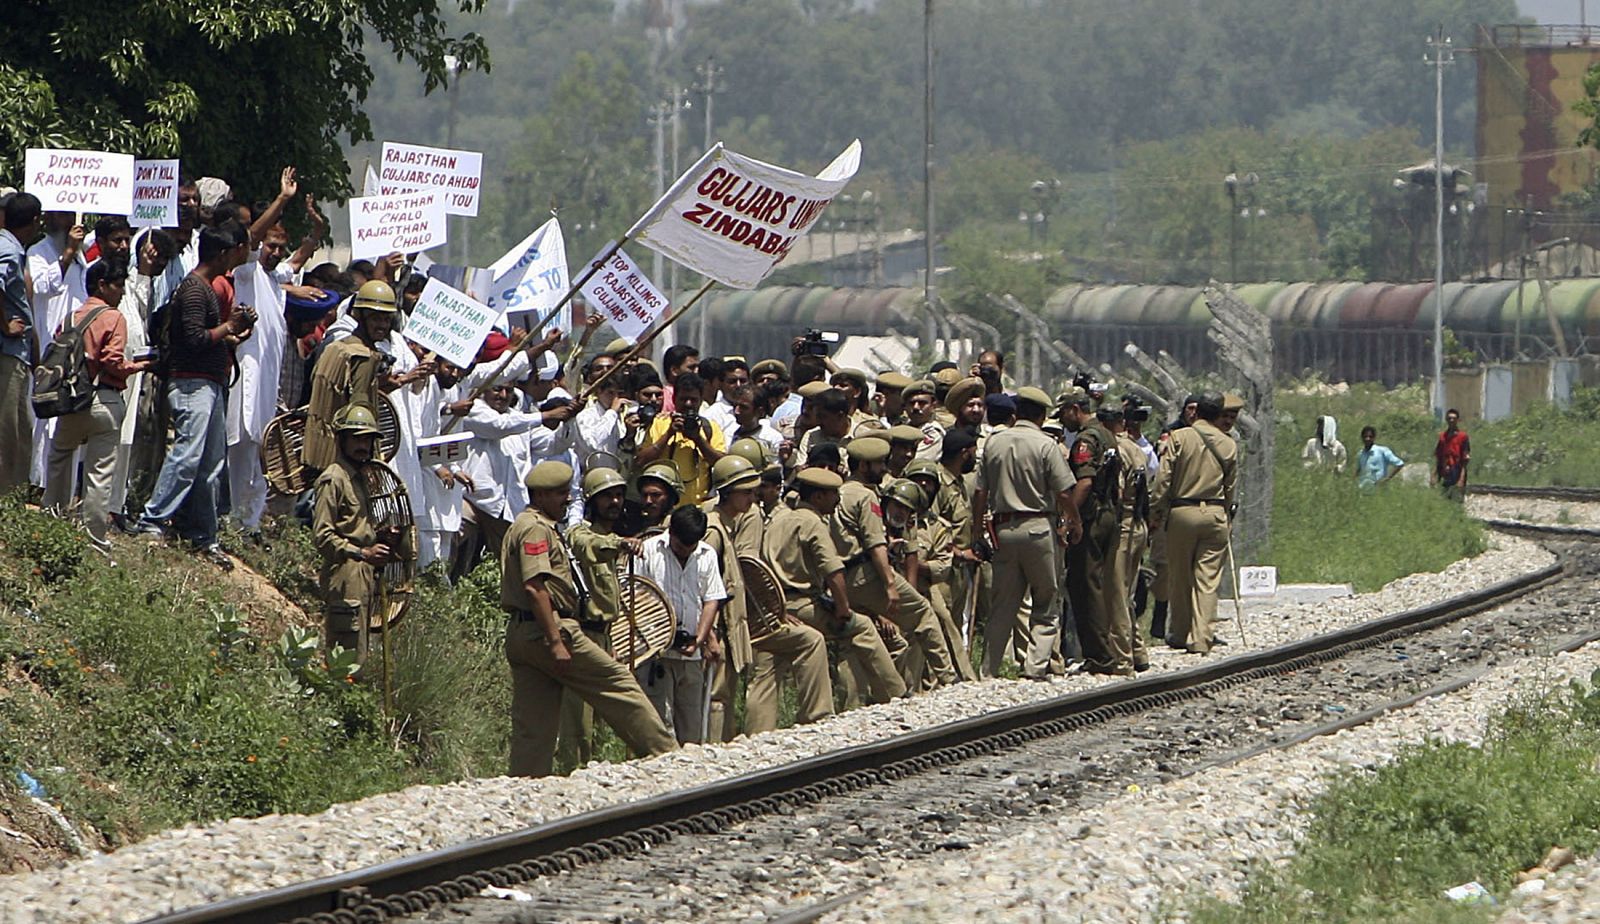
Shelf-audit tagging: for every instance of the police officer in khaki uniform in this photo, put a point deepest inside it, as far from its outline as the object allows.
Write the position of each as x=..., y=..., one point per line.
x=903, y=442
x=1023, y=484
x=597, y=552
x=799, y=546
x=1193, y=500
x=545, y=644
x=1133, y=518
x=347, y=370
x=950, y=559
x=1099, y=609
x=345, y=535
x=875, y=587
x=737, y=531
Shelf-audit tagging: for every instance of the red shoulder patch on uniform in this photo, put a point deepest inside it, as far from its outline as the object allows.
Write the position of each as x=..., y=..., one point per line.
x=535, y=548
x=877, y=510
x=1081, y=453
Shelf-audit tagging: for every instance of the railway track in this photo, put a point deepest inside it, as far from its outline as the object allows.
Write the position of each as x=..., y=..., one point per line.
x=768, y=845
x=1547, y=492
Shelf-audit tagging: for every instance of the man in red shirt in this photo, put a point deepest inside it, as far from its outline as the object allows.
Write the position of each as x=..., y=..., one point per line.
x=1451, y=455
x=98, y=427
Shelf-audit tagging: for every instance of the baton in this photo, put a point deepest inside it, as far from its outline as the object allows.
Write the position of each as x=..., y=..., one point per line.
x=1238, y=607
x=705, y=712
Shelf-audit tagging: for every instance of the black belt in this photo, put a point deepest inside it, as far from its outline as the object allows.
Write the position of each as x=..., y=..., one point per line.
x=516, y=615
x=1000, y=519
x=1196, y=501
x=857, y=559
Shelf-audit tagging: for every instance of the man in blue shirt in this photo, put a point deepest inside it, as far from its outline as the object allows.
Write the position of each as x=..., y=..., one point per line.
x=1375, y=464
x=22, y=213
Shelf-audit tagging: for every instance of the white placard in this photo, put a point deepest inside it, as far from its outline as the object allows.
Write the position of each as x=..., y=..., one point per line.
x=1258, y=581
x=622, y=293
x=443, y=449
x=449, y=323
x=410, y=167
x=80, y=181
x=733, y=218
x=155, y=194
x=532, y=277
x=381, y=225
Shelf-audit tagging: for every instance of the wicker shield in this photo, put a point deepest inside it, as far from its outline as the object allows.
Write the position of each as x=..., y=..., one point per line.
x=645, y=626
x=763, y=596
x=285, y=435
x=397, y=528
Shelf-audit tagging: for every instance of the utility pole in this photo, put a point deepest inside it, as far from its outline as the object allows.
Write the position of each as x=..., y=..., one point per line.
x=1441, y=54
x=455, y=67
x=930, y=285
x=708, y=87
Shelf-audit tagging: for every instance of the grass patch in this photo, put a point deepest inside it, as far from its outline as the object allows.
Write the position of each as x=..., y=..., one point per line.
x=1385, y=843
x=1326, y=530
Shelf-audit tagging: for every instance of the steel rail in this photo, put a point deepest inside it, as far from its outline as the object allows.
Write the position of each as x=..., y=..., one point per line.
x=1546, y=492
x=413, y=884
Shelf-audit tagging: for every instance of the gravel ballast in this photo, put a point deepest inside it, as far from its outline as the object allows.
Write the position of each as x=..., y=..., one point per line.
x=194, y=865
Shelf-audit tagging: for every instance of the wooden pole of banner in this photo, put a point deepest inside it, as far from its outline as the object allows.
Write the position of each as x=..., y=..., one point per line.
x=522, y=336
x=645, y=341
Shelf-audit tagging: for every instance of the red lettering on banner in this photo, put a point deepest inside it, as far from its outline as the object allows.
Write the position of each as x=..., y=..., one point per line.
x=696, y=212
x=711, y=181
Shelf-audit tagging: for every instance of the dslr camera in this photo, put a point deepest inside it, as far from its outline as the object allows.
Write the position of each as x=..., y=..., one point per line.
x=818, y=342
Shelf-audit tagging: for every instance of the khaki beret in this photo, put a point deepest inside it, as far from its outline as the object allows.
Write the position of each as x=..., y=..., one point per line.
x=946, y=377
x=768, y=367
x=812, y=389
x=893, y=379
x=904, y=433
x=855, y=376
x=869, y=449
x=919, y=387
x=548, y=475
x=617, y=347
x=819, y=478
x=1232, y=402
x=1034, y=396
x=962, y=392
x=1073, y=395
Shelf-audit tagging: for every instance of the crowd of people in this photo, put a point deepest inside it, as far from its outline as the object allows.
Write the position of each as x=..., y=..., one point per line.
x=910, y=523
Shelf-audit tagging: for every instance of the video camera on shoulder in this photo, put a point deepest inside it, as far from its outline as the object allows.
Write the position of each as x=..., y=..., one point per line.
x=1085, y=381
x=819, y=342
x=1133, y=411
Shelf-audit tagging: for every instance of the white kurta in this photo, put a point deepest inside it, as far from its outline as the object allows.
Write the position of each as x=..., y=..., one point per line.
x=253, y=399
x=55, y=296
x=135, y=307
x=497, y=458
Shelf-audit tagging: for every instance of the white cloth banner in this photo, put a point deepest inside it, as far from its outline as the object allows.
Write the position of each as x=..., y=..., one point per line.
x=449, y=323
x=734, y=218
x=155, y=194
x=381, y=225
x=80, y=181
x=622, y=293
x=532, y=277
x=369, y=183
x=411, y=167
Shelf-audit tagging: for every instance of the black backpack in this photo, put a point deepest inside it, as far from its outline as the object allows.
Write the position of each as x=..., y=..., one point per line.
x=61, y=381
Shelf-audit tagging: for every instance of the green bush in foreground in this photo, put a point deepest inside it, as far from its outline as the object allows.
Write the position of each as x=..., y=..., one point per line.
x=1327, y=530
x=1384, y=844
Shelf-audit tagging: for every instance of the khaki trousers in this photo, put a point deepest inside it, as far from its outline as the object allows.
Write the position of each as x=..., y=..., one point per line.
x=1130, y=556
x=1197, y=543
x=914, y=617
x=16, y=423
x=599, y=679
x=575, y=739
x=802, y=652
x=96, y=429
x=1095, y=592
x=1024, y=562
x=939, y=597
x=861, y=648
x=676, y=687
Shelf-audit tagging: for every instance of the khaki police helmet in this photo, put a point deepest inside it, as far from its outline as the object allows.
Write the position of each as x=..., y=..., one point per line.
x=907, y=492
x=600, y=480
x=667, y=474
x=918, y=468
x=357, y=419
x=751, y=450
x=377, y=295
x=732, y=471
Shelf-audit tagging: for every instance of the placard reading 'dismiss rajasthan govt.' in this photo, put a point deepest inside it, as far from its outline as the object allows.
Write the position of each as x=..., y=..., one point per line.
x=381, y=225
x=80, y=181
x=450, y=323
x=407, y=168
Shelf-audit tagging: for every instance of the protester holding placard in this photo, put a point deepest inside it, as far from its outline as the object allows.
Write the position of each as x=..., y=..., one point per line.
x=56, y=267
x=17, y=348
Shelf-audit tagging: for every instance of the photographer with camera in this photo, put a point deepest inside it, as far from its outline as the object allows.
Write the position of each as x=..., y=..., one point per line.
x=201, y=344
x=687, y=440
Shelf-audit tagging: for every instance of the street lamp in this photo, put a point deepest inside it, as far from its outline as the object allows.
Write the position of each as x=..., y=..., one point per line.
x=1234, y=184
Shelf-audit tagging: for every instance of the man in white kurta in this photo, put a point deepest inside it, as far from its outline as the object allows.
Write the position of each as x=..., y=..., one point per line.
x=137, y=303
x=56, y=266
x=253, y=396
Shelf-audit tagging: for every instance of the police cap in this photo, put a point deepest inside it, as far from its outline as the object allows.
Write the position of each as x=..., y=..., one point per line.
x=1034, y=396
x=904, y=433
x=818, y=478
x=869, y=449
x=962, y=392
x=548, y=476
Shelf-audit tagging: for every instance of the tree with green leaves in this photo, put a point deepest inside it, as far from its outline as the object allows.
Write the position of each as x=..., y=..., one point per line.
x=236, y=89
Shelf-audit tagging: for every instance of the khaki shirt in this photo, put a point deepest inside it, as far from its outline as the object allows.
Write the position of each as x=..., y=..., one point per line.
x=735, y=625
x=1086, y=457
x=858, y=521
x=533, y=549
x=346, y=372
x=932, y=445
x=799, y=547
x=952, y=504
x=749, y=532
x=1132, y=460
x=935, y=549
x=341, y=519
x=1022, y=470
x=1191, y=471
x=597, y=554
